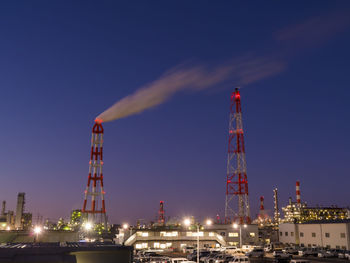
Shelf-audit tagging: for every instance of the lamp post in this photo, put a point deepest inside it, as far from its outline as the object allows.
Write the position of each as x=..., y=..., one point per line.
x=87, y=227
x=187, y=222
x=124, y=234
x=37, y=231
x=235, y=226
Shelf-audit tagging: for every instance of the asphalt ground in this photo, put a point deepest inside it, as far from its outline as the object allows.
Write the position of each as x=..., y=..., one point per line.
x=269, y=258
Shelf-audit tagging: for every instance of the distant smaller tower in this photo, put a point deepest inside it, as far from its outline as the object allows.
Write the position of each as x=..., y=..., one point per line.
x=262, y=209
x=218, y=220
x=19, y=210
x=276, y=217
x=297, y=189
x=262, y=204
x=161, y=220
x=3, y=209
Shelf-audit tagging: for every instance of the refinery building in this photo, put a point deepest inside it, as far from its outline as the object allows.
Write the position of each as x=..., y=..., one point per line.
x=177, y=237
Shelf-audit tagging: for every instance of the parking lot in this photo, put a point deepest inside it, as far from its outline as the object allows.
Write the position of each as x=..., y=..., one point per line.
x=207, y=256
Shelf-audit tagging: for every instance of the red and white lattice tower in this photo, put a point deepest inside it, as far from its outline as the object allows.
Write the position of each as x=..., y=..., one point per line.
x=161, y=219
x=236, y=182
x=94, y=188
x=297, y=190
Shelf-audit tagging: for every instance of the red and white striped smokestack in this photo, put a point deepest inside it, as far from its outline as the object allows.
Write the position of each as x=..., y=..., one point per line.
x=262, y=203
x=297, y=188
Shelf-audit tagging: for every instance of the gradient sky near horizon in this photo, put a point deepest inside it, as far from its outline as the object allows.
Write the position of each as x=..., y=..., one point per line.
x=64, y=62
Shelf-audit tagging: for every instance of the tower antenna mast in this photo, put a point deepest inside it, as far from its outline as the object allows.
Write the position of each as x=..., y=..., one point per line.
x=236, y=180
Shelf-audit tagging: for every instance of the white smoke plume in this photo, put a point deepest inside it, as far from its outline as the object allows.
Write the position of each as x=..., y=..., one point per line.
x=242, y=71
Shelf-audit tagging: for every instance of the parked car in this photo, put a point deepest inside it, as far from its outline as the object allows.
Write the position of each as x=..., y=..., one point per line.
x=209, y=258
x=193, y=256
x=281, y=254
x=347, y=254
x=177, y=260
x=268, y=248
x=305, y=252
x=230, y=249
x=335, y=252
x=256, y=252
x=326, y=254
x=281, y=260
x=221, y=258
x=247, y=248
x=239, y=259
x=188, y=249
x=228, y=259
x=290, y=250
x=341, y=254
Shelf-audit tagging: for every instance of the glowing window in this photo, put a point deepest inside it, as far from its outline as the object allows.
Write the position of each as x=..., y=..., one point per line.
x=142, y=234
x=156, y=245
x=233, y=234
x=252, y=234
x=141, y=245
x=211, y=234
x=169, y=234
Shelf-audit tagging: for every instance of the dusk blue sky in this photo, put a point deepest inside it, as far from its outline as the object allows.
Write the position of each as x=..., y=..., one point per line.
x=64, y=62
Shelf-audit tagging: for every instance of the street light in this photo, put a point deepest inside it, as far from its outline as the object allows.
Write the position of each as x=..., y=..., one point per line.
x=235, y=226
x=187, y=222
x=88, y=226
x=37, y=231
x=125, y=226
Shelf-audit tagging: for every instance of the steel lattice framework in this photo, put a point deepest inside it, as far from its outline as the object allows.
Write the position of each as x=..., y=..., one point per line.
x=94, y=188
x=236, y=182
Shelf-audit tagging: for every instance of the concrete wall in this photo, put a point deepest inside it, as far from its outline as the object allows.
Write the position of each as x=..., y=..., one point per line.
x=325, y=235
x=333, y=235
x=288, y=233
x=45, y=236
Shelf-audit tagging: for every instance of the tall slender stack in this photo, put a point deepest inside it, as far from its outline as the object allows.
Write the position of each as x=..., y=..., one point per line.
x=161, y=219
x=276, y=217
x=262, y=208
x=94, y=188
x=297, y=191
x=236, y=180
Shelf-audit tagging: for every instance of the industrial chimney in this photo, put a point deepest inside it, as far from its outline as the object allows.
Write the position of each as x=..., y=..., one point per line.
x=276, y=209
x=19, y=210
x=3, y=209
x=297, y=189
x=161, y=220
